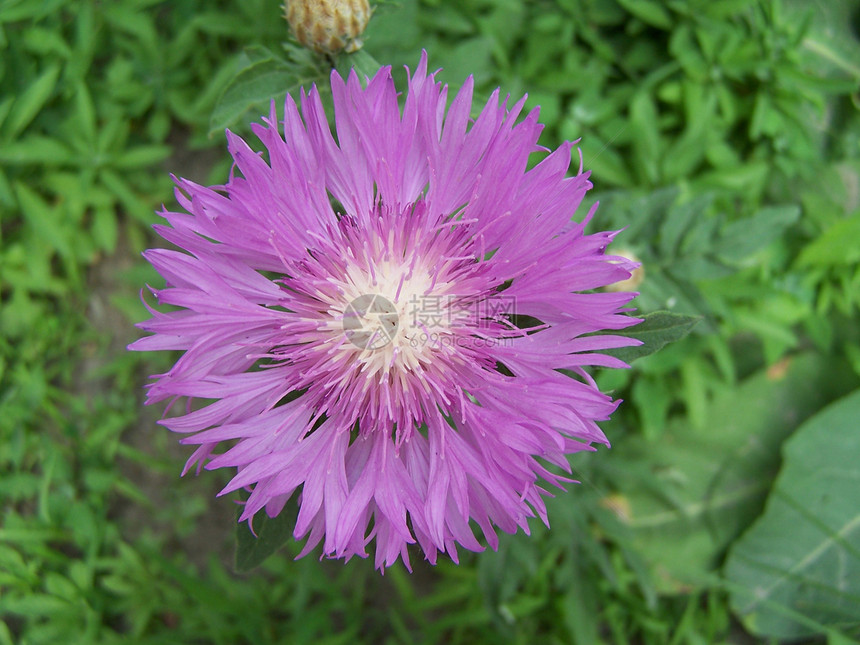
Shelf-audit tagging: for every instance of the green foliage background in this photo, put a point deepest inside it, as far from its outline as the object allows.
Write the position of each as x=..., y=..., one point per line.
x=723, y=137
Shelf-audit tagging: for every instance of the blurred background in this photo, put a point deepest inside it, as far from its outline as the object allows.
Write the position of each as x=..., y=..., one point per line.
x=724, y=138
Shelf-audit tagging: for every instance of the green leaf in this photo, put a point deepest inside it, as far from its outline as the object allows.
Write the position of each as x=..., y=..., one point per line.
x=147, y=155
x=136, y=206
x=652, y=13
x=830, y=38
x=605, y=161
x=744, y=237
x=37, y=604
x=35, y=149
x=272, y=534
x=32, y=100
x=687, y=151
x=104, y=228
x=254, y=87
x=801, y=559
x=694, y=491
x=470, y=56
x=43, y=219
x=680, y=218
x=836, y=246
x=750, y=176
x=7, y=197
x=264, y=78
x=85, y=112
x=46, y=43
x=637, y=214
x=653, y=397
x=362, y=62
x=646, y=136
x=5, y=107
x=656, y=330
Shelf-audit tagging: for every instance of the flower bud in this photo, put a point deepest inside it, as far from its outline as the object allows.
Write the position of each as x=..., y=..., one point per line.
x=328, y=26
x=637, y=275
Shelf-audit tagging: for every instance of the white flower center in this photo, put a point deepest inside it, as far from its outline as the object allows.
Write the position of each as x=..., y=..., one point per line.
x=392, y=317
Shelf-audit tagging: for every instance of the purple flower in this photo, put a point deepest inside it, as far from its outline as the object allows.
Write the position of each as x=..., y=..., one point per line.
x=382, y=321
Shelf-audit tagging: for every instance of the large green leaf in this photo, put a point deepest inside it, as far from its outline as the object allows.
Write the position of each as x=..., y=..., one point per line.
x=689, y=495
x=656, y=330
x=271, y=534
x=262, y=77
x=253, y=88
x=801, y=559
